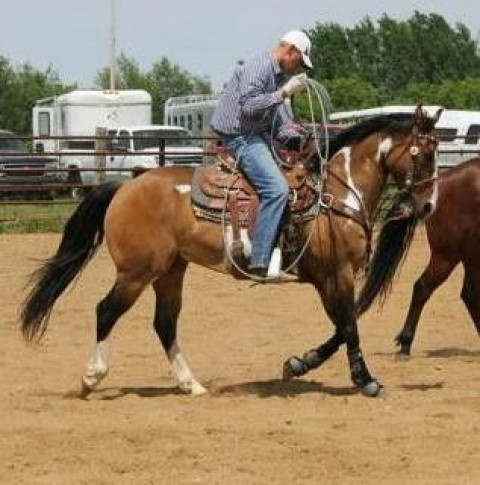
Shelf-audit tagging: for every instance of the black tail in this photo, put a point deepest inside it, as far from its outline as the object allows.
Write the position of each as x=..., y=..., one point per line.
x=392, y=247
x=82, y=236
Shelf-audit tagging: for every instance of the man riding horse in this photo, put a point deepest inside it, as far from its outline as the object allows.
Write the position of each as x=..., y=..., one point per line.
x=249, y=110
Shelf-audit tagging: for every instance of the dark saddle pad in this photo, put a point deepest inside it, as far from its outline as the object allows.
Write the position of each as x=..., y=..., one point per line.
x=220, y=190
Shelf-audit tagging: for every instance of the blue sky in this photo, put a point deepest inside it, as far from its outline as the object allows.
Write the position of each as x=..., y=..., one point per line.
x=206, y=37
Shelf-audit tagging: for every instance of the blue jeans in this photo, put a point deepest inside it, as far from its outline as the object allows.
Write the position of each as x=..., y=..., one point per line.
x=256, y=161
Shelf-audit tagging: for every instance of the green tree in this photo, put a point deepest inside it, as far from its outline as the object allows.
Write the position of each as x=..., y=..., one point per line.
x=396, y=46
x=441, y=52
x=128, y=75
x=7, y=87
x=402, y=60
x=414, y=93
x=32, y=84
x=352, y=93
x=450, y=93
x=20, y=88
x=364, y=41
x=332, y=55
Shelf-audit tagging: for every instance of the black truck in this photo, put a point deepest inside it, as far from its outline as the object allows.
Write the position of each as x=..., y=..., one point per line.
x=22, y=171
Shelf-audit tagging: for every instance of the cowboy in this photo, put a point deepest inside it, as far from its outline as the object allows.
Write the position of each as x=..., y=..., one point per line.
x=251, y=108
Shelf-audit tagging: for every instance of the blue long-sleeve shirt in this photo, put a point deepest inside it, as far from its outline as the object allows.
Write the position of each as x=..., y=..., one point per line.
x=251, y=98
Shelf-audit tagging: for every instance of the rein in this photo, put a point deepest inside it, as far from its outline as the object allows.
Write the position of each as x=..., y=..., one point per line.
x=329, y=202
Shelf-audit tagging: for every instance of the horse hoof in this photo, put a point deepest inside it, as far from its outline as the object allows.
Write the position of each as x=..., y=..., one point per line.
x=85, y=391
x=372, y=389
x=198, y=390
x=401, y=356
x=293, y=367
x=193, y=388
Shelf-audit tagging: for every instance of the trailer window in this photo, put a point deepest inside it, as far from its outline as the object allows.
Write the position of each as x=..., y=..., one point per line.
x=124, y=140
x=472, y=135
x=79, y=145
x=190, y=123
x=199, y=122
x=44, y=123
x=446, y=134
x=146, y=139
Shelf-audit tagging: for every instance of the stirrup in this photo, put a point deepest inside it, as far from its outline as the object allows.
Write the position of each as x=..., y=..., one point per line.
x=280, y=277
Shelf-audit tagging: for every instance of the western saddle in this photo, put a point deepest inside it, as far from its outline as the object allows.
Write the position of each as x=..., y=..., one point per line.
x=221, y=193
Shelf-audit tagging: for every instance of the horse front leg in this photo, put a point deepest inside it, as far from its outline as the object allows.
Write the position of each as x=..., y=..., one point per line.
x=337, y=293
x=341, y=309
x=360, y=375
x=296, y=366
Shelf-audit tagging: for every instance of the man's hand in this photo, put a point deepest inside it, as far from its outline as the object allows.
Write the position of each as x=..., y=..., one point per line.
x=294, y=85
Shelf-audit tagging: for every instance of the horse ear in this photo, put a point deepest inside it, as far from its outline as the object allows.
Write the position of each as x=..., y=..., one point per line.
x=437, y=115
x=418, y=114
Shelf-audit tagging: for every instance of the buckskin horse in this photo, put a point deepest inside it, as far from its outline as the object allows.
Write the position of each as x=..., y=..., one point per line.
x=453, y=233
x=152, y=233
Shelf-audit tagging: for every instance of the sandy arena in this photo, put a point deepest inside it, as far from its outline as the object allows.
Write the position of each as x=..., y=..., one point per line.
x=252, y=428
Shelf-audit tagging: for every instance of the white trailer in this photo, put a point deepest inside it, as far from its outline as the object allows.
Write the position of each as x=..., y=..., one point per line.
x=80, y=113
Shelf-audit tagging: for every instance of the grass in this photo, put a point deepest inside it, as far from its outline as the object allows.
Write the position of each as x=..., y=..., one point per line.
x=51, y=217
x=30, y=218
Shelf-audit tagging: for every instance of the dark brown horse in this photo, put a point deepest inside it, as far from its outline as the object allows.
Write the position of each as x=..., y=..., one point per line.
x=152, y=233
x=453, y=232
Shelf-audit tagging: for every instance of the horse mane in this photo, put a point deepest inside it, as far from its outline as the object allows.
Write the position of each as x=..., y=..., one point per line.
x=389, y=123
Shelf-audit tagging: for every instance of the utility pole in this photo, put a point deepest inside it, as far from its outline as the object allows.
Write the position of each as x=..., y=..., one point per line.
x=113, y=41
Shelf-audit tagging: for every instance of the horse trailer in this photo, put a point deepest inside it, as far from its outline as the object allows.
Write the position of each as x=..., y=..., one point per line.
x=194, y=112
x=80, y=112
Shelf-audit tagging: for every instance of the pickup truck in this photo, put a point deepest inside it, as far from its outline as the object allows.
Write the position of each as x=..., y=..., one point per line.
x=19, y=167
x=133, y=150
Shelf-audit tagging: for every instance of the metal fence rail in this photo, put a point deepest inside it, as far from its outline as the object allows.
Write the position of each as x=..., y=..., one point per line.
x=28, y=201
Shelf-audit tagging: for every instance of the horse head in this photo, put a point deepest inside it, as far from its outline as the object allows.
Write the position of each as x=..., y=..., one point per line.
x=412, y=162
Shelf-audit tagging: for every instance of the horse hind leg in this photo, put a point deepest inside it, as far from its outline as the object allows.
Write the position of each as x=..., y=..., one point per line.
x=434, y=275
x=168, y=292
x=120, y=299
x=471, y=293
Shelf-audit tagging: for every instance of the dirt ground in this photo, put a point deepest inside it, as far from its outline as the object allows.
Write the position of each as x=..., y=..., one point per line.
x=252, y=428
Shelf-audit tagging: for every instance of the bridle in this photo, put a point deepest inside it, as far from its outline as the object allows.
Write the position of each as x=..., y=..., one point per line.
x=415, y=153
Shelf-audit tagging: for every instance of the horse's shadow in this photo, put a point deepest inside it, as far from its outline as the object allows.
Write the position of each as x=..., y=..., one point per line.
x=442, y=353
x=447, y=352
x=422, y=387
x=280, y=388
x=112, y=393
x=262, y=389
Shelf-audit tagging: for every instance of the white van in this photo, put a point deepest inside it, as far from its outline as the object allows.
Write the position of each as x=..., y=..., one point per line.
x=139, y=148
x=458, y=130
x=136, y=149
